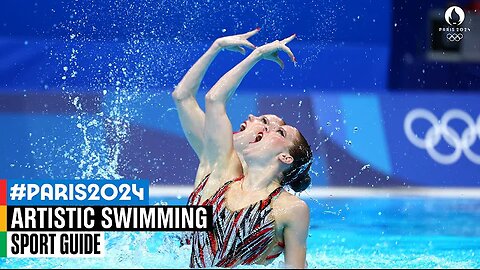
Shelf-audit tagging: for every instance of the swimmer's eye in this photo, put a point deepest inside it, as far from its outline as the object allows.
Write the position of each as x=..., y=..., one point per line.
x=265, y=120
x=282, y=132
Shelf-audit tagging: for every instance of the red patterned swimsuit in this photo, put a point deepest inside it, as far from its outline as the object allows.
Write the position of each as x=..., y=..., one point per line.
x=238, y=237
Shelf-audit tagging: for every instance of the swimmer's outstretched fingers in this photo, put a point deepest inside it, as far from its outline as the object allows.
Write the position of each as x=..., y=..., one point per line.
x=286, y=49
x=269, y=51
x=235, y=42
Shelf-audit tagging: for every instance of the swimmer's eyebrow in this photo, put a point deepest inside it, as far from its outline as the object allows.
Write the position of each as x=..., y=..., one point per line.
x=275, y=119
x=293, y=128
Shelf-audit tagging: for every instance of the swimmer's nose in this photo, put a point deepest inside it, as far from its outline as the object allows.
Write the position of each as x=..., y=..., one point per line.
x=251, y=117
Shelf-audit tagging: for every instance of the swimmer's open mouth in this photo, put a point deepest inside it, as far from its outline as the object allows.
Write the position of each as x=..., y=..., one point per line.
x=258, y=138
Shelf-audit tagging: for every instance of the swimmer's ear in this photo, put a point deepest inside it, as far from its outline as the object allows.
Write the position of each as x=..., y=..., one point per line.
x=285, y=158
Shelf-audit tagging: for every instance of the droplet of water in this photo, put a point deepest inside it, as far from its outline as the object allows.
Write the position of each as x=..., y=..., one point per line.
x=366, y=166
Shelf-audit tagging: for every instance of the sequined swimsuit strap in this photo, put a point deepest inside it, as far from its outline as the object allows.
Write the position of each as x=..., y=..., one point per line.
x=196, y=195
x=271, y=197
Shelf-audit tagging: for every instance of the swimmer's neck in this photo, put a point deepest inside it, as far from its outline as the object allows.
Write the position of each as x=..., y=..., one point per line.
x=258, y=178
x=244, y=163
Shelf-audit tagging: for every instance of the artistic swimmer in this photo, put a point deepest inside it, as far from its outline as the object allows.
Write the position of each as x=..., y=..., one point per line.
x=254, y=219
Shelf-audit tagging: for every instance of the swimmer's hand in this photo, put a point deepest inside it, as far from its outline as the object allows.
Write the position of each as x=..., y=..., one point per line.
x=235, y=42
x=269, y=51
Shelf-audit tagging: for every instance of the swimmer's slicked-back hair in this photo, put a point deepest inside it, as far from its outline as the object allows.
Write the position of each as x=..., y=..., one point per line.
x=297, y=176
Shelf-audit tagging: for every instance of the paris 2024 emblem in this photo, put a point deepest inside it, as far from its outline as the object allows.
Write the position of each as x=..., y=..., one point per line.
x=454, y=16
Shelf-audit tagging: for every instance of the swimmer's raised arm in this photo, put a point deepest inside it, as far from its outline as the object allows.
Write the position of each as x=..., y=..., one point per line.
x=192, y=118
x=218, y=145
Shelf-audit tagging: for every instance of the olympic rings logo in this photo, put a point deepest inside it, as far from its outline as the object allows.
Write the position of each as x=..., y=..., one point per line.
x=440, y=129
x=454, y=36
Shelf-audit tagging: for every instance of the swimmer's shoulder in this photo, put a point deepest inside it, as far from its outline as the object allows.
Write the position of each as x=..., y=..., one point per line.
x=289, y=208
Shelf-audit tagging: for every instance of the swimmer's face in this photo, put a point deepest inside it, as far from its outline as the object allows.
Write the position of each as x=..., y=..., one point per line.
x=251, y=127
x=272, y=144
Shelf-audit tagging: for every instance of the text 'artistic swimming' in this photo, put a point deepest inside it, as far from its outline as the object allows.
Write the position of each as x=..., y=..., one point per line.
x=110, y=218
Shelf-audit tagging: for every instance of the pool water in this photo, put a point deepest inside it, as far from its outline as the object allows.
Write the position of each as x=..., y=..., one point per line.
x=409, y=232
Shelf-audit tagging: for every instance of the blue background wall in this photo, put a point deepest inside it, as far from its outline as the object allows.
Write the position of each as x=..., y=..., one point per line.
x=85, y=87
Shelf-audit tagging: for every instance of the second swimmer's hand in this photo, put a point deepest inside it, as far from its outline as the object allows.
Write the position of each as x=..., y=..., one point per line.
x=235, y=42
x=270, y=51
